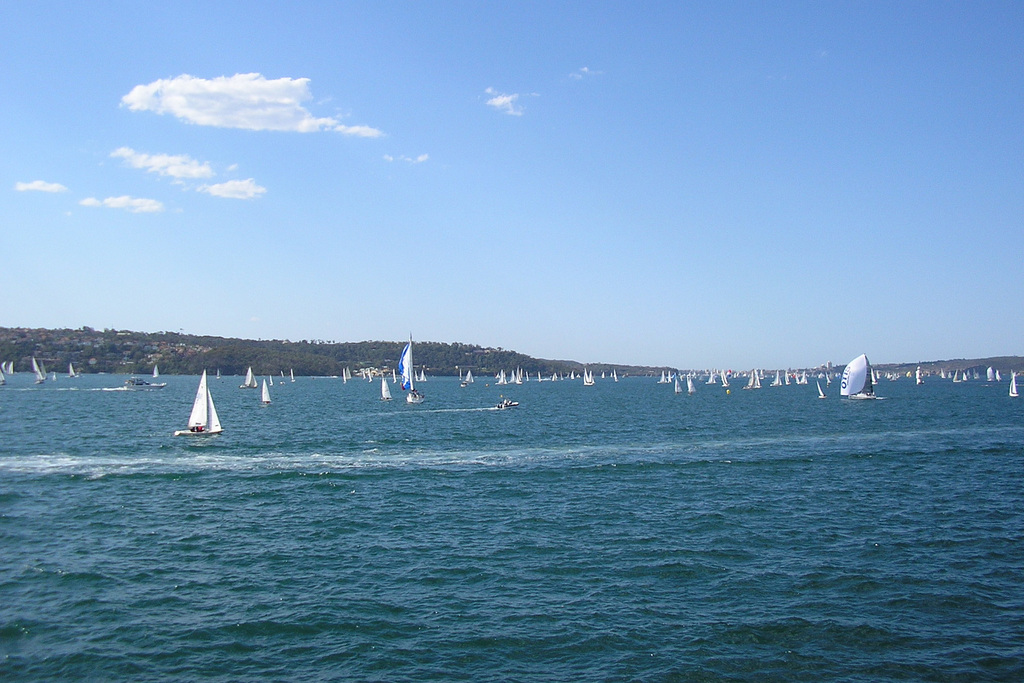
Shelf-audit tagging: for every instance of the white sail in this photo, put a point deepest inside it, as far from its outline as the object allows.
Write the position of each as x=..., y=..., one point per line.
x=469, y=376
x=291, y=372
x=857, y=379
x=678, y=388
x=725, y=379
x=203, y=419
x=265, y=394
x=270, y=378
x=385, y=390
x=40, y=375
x=588, y=378
x=71, y=371
x=3, y=380
x=690, y=389
x=156, y=371
x=200, y=406
x=615, y=375
x=1013, y=384
x=917, y=376
x=821, y=394
x=250, y=380
x=778, y=379
x=990, y=375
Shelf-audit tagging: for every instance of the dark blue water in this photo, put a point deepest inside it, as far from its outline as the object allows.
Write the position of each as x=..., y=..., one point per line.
x=613, y=533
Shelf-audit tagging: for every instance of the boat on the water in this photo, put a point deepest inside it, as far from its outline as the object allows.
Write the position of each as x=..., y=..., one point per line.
x=1013, y=384
x=858, y=382
x=385, y=390
x=203, y=420
x=408, y=375
x=265, y=394
x=138, y=384
x=821, y=394
x=505, y=403
x=250, y=380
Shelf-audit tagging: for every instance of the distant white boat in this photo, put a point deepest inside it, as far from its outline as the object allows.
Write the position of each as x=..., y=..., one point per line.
x=250, y=380
x=271, y=379
x=777, y=382
x=40, y=375
x=588, y=378
x=990, y=375
x=857, y=379
x=725, y=379
x=615, y=375
x=690, y=389
x=3, y=380
x=385, y=390
x=999, y=378
x=821, y=394
x=917, y=376
x=678, y=387
x=203, y=419
x=292, y=374
x=664, y=379
x=468, y=379
x=754, y=382
x=265, y=394
x=156, y=371
x=71, y=371
x=408, y=374
x=1013, y=384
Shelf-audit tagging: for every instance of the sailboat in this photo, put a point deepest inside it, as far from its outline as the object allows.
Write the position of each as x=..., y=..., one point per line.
x=468, y=378
x=71, y=371
x=250, y=381
x=857, y=379
x=218, y=373
x=1013, y=384
x=778, y=379
x=40, y=375
x=385, y=390
x=265, y=394
x=821, y=394
x=408, y=374
x=690, y=389
x=203, y=419
x=588, y=378
x=917, y=376
x=678, y=388
x=291, y=372
x=3, y=380
x=271, y=378
x=156, y=371
x=615, y=375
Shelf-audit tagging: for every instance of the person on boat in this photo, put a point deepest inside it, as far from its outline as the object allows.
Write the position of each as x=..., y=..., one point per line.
x=197, y=428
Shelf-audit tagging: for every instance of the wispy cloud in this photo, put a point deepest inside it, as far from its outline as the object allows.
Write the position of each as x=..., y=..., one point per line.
x=176, y=166
x=410, y=160
x=127, y=203
x=584, y=72
x=504, y=102
x=246, y=101
x=39, y=186
x=234, y=189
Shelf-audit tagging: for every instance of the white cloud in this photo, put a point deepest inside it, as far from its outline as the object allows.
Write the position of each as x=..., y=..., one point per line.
x=39, y=186
x=504, y=102
x=235, y=189
x=127, y=203
x=583, y=73
x=177, y=166
x=246, y=101
x=418, y=160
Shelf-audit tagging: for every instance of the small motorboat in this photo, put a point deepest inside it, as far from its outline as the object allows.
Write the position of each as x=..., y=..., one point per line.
x=506, y=403
x=138, y=383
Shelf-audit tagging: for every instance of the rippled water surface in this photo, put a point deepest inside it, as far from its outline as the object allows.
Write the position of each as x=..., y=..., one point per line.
x=616, y=532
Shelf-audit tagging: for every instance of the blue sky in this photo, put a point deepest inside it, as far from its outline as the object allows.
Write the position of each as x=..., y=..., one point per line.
x=698, y=185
